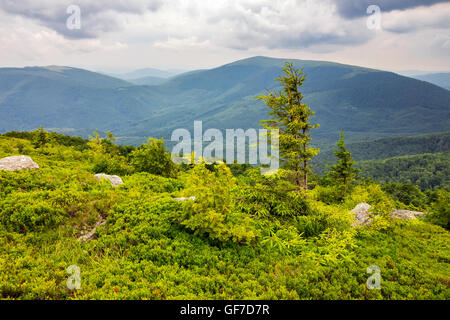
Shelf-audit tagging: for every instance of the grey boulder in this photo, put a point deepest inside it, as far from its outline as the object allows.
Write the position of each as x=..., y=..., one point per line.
x=114, y=180
x=406, y=214
x=16, y=163
x=362, y=214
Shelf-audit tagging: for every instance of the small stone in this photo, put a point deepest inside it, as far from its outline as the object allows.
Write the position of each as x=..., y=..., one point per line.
x=184, y=199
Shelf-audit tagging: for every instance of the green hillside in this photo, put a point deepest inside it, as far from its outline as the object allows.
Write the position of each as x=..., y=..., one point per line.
x=365, y=103
x=386, y=148
x=425, y=170
x=243, y=237
x=422, y=160
x=401, y=146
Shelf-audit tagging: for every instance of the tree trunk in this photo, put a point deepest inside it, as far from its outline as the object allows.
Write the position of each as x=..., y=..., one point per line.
x=305, y=165
x=305, y=176
x=298, y=178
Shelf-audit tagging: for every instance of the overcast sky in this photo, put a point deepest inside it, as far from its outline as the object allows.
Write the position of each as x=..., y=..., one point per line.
x=118, y=35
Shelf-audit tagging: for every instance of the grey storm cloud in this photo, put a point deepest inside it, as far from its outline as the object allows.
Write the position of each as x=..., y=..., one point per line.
x=249, y=23
x=235, y=24
x=357, y=8
x=96, y=16
x=278, y=25
x=295, y=40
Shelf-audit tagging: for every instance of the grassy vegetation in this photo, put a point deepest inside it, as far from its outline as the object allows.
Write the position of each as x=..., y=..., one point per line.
x=246, y=236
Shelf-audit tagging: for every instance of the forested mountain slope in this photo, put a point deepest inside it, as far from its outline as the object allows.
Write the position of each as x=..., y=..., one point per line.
x=365, y=103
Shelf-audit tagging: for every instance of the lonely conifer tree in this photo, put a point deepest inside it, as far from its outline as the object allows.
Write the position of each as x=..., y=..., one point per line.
x=343, y=173
x=40, y=138
x=291, y=116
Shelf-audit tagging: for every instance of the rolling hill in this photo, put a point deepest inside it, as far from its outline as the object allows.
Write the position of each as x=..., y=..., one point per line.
x=365, y=103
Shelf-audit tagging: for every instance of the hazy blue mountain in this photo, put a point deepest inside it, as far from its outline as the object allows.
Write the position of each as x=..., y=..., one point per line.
x=440, y=79
x=147, y=81
x=149, y=72
x=73, y=100
x=365, y=103
x=65, y=75
x=410, y=73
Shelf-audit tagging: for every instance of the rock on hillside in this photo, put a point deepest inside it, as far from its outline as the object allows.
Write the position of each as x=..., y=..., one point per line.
x=406, y=214
x=184, y=199
x=89, y=235
x=362, y=214
x=115, y=180
x=15, y=163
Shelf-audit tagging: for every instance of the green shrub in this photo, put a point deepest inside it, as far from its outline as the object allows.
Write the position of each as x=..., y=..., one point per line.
x=211, y=211
x=329, y=194
x=265, y=196
x=282, y=240
x=116, y=165
x=146, y=182
x=153, y=157
x=310, y=226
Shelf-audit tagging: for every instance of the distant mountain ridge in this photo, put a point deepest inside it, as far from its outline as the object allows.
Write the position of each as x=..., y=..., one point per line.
x=441, y=79
x=344, y=97
x=147, y=81
x=363, y=102
x=149, y=72
x=68, y=75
